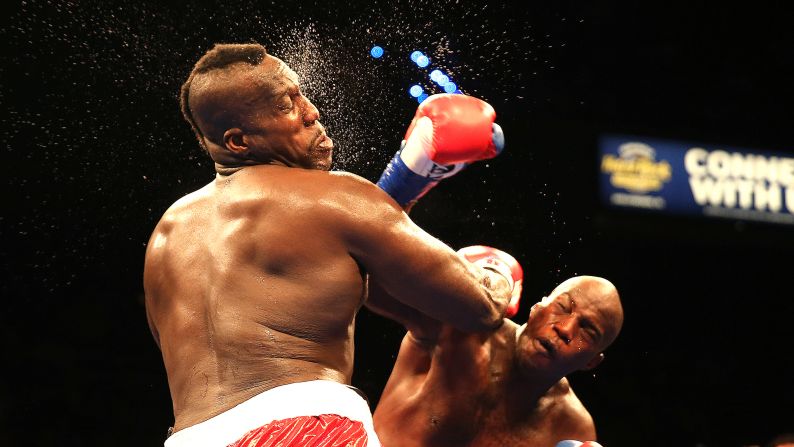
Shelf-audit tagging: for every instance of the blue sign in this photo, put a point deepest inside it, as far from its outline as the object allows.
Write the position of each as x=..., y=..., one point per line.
x=678, y=177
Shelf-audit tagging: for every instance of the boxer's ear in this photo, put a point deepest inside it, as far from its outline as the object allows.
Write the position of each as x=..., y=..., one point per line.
x=542, y=303
x=595, y=361
x=234, y=141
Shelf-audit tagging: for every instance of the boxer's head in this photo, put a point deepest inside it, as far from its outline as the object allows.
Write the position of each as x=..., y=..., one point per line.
x=246, y=107
x=569, y=329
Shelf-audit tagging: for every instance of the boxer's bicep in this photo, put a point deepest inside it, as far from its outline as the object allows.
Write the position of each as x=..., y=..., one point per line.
x=152, y=327
x=572, y=420
x=149, y=273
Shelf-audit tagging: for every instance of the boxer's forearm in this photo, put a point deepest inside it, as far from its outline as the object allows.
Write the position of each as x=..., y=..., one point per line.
x=421, y=326
x=424, y=274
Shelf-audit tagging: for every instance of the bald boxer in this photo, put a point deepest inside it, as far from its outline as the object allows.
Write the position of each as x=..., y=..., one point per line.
x=503, y=388
x=253, y=282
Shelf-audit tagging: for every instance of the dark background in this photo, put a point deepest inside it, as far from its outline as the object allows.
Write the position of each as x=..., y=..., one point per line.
x=95, y=150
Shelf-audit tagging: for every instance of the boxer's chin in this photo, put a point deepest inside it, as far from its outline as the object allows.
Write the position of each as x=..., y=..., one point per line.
x=321, y=159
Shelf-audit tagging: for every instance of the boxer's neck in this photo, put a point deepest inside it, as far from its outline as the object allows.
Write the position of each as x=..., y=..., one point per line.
x=527, y=384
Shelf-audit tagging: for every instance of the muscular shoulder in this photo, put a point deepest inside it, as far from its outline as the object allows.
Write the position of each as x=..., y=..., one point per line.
x=568, y=414
x=501, y=338
x=318, y=191
x=185, y=207
x=179, y=211
x=358, y=194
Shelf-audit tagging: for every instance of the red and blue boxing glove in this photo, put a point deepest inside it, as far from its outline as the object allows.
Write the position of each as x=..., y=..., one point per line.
x=502, y=263
x=447, y=132
x=573, y=443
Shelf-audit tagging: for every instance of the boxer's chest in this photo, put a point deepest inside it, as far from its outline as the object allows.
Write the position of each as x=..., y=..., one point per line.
x=498, y=427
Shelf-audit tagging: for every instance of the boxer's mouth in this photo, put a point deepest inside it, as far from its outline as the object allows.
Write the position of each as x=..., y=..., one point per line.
x=548, y=346
x=324, y=143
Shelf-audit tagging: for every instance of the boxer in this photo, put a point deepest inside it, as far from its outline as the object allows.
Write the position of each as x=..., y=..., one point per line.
x=253, y=282
x=506, y=387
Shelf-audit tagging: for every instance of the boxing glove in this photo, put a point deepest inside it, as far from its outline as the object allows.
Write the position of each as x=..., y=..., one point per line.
x=502, y=263
x=447, y=132
x=572, y=443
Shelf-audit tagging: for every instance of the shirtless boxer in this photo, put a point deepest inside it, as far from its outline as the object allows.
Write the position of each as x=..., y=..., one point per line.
x=253, y=282
x=504, y=388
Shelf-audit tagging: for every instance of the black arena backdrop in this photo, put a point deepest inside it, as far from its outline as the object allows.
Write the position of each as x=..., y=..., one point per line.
x=95, y=150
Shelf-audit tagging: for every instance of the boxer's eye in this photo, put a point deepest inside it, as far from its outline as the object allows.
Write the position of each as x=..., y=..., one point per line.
x=285, y=103
x=286, y=106
x=590, y=334
x=591, y=331
x=562, y=306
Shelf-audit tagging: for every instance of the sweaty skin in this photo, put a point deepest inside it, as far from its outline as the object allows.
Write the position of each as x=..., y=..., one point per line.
x=450, y=388
x=254, y=280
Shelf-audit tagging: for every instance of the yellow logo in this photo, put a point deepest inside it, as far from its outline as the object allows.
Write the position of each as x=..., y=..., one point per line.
x=636, y=168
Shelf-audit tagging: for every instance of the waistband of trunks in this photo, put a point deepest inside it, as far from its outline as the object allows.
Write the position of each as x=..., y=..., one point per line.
x=311, y=398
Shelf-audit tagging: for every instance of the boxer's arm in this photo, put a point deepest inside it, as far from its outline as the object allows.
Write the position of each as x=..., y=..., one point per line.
x=412, y=266
x=151, y=270
x=421, y=327
x=571, y=420
x=152, y=327
x=425, y=329
x=577, y=426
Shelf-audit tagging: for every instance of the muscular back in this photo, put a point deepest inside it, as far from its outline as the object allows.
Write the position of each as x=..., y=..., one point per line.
x=250, y=284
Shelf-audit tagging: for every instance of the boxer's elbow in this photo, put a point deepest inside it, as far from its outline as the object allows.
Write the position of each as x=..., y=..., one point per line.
x=487, y=316
x=494, y=316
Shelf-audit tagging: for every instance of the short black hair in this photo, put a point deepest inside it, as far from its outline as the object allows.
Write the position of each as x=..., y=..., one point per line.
x=221, y=56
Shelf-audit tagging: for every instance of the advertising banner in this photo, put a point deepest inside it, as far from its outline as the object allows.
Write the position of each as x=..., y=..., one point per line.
x=677, y=177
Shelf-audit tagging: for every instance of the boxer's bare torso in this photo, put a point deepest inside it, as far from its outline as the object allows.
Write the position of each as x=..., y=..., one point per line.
x=250, y=285
x=463, y=390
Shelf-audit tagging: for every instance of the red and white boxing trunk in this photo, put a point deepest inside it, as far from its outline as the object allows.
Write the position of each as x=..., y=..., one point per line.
x=318, y=413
